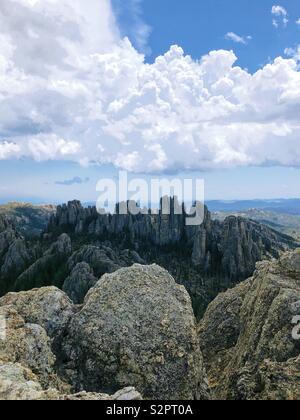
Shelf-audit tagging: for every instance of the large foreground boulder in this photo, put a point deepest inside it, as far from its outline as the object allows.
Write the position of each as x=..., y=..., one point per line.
x=246, y=335
x=137, y=327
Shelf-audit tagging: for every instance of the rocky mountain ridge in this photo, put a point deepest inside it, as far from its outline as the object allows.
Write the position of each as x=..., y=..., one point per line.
x=81, y=245
x=30, y=220
x=206, y=259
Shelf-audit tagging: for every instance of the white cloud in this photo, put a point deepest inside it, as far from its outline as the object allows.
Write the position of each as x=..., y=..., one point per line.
x=293, y=52
x=237, y=38
x=281, y=15
x=298, y=22
x=8, y=150
x=279, y=11
x=70, y=91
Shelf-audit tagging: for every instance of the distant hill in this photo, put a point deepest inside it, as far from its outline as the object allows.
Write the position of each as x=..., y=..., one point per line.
x=289, y=206
x=282, y=222
x=29, y=220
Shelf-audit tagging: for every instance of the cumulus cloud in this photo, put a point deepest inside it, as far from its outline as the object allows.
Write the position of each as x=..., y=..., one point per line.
x=231, y=36
x=280, y=15
x=71, y=88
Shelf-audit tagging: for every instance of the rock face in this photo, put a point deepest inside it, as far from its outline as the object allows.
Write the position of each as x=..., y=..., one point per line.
x=35, y=322
x=49, y=268
x=30, y=220
x=124, y=334
x=19, y=383
x=90, y=263
x=15, y=255
x=246, y=335
x=80, y=281
x=48, y=307
x=206, y=259
x=137, y=327
x=29, y=345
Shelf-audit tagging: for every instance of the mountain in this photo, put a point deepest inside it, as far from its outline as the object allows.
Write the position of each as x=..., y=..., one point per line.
x=206, y=259
x=30, y=220
x=80, y=245
x=282, y=222
x=289, y=206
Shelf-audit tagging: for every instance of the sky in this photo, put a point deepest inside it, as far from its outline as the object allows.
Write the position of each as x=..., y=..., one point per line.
x=200, y=88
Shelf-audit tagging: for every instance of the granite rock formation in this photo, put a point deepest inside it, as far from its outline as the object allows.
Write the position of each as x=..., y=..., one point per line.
x=246, y=335
x=80, y=281
x=15, y=254
x=206, y=259
x=19, y=383
x=29, y=219
x=124, y=334
x=47, y=269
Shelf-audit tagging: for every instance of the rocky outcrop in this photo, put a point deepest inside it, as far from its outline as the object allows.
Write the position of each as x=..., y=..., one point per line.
x=137, y=328
x=80, y=281
x=100, y=258
x=246, y=335
x=15, y=255
x=90, y=263
x=29, y=367
x=19, y=383
x=48, y=307
x=206, y=259
x=123, y=335
x=17, y=258
x=49, y=269
x=56, y=265
x=239, y=242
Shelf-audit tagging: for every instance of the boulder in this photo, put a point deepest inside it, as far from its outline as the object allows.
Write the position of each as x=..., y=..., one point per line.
x=137, y=327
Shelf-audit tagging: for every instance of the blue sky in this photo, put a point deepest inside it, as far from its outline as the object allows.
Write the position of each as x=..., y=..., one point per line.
x=199, y=26
x=47, y=142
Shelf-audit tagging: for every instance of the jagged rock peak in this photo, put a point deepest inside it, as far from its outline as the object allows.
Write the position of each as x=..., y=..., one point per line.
x=249, y=349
